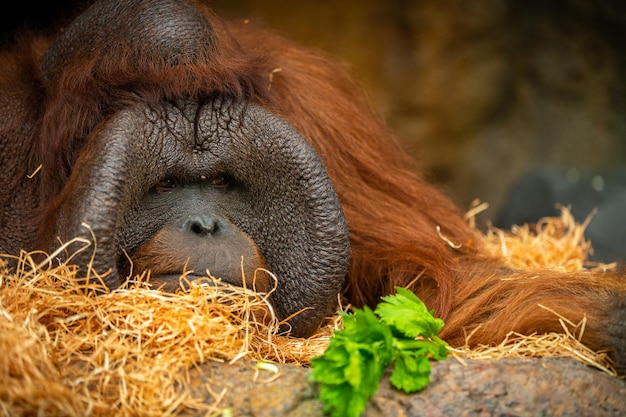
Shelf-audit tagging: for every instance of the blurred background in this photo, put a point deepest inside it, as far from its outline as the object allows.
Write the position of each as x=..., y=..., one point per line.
x=519, y=104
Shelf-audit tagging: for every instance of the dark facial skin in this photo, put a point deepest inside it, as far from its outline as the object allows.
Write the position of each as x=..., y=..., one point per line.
x=195, y=237
x=199, y=184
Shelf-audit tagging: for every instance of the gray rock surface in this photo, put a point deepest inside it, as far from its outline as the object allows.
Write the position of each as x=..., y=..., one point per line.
x=508, y=387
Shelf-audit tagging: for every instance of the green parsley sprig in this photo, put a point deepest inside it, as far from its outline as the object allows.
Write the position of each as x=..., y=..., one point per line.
x=400, y=332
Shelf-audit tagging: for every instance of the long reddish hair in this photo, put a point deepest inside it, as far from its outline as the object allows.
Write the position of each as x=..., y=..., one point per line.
x=403, y=231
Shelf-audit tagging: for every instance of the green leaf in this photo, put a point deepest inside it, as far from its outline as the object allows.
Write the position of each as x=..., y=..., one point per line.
x=408, y=314
x=411, y=372
x=350, y=369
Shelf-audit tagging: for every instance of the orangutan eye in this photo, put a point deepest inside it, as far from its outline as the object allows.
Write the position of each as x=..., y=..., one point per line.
x=219, y=181
x=164, y=186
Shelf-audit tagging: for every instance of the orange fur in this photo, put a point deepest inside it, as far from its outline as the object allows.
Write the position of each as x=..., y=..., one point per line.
x=392, y=212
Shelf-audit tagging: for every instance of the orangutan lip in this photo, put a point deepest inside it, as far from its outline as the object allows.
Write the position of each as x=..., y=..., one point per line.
x=172, y=281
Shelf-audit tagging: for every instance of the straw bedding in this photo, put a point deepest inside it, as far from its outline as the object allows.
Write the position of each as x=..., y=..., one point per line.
x=66, y=352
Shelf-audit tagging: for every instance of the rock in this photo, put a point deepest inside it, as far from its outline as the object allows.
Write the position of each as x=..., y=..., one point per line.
x=508, y=387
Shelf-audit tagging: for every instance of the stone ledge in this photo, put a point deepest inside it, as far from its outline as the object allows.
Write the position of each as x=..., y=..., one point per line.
x=508, y=387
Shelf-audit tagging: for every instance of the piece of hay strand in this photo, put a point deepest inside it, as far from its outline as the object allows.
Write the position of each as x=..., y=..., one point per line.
x=553, y=243
x=556, y=243
x=128, y=350
x=515, y=345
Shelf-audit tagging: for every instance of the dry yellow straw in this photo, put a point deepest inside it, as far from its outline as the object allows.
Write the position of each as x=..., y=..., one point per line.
x=66, y=352
x=128, y=351
x=556, y=243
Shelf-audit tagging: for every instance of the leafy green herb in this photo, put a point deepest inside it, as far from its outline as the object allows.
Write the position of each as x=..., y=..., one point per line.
x=399, y=332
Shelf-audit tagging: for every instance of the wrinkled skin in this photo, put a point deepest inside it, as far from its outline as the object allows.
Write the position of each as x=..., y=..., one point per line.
x=204, y=183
